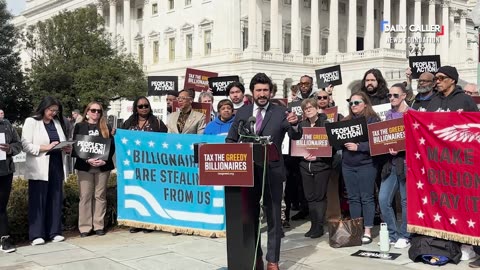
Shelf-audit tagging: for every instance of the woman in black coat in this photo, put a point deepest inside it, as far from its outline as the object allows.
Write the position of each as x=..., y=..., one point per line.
x=315, y=173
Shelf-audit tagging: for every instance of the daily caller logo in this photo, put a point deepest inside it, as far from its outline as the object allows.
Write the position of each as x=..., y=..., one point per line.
x=385, y=26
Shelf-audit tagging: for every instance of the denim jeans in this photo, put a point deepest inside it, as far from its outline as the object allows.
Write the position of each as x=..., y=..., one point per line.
x=360, y=184
x=388, y=189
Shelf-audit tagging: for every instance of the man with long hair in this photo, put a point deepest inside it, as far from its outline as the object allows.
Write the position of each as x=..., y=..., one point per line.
x=375, y=86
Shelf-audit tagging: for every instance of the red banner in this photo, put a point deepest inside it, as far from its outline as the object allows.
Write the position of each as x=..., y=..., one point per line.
x=443, y=180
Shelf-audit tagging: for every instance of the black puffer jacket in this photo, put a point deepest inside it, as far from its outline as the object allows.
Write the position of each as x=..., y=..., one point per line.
x=455, y=101
x=11, y=137
x=321, y=163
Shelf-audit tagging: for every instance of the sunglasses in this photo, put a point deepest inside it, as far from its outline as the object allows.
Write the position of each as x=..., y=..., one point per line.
x=322, y=97
x=355, y=103
x=143, y=106
x=441, y=78
x=393, y=95
x=95, y=111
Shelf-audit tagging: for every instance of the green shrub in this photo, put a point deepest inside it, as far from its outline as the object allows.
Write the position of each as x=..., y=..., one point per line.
x=18, y=206
x=18, y=209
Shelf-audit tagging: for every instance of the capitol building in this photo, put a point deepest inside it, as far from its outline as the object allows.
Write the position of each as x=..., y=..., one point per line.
x=283, y=38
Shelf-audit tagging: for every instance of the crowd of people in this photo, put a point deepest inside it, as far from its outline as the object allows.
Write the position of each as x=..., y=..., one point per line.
x=312, y=185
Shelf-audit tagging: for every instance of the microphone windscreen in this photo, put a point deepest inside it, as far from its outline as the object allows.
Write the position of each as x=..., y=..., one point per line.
x=252, y=119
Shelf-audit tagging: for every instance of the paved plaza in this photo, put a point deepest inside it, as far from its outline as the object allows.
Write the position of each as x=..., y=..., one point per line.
x=121, y=250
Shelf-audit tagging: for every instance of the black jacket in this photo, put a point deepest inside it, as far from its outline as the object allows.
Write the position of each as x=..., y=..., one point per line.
x=379, y=97
x=421, y=104
x=362, y=155
x=81, y=164
x=455, y=101
x=321, y=163
x=11, y=137
x=155, y=124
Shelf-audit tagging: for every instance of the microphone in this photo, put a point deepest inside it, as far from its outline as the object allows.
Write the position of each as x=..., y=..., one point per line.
x=241, y=124
x=251, y=124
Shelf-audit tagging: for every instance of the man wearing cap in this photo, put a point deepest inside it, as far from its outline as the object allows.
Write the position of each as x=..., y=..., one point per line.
x=450, y=96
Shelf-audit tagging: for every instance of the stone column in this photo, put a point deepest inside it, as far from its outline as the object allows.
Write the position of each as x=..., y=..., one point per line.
x=252, y=25
x=402, y=20
x=452, y=58
x=417, y=20
x=385, y=36
x=113, y=18
x=296, y=28
x=369, y=39
x=431, y=46
x=126, y=25
x=352, y=26
x=99, y=5
x=445, y=39
x=275, y=26
x=333, y=27
x=315, y=30
x=463, y=35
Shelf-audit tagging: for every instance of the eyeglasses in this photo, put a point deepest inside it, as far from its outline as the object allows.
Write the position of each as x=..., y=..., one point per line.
x=95, y=111
x=441, y=78
x=470, y=93
x=183, y=98
x=425, y=81
x=304, y=83
x=355, y=103
x=322, y=97
x=143, y=106
x=308, y=108
x=393, y=95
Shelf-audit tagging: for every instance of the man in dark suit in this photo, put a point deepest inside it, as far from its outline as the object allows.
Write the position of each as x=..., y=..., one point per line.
x=274, y=121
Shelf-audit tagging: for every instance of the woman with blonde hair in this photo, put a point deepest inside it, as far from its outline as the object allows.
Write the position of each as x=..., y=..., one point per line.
x=93, y=173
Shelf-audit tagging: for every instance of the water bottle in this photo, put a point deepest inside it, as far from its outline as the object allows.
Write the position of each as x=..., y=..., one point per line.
x=384, y=241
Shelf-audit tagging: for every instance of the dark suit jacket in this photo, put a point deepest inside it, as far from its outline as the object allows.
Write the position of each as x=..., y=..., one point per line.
x=274, y=124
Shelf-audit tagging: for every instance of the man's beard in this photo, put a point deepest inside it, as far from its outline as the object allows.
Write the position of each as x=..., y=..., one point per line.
x=425, y=89
x=372, y=90
x=307, y=94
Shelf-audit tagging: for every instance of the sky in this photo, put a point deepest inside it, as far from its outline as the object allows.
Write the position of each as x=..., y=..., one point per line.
x=16, y=6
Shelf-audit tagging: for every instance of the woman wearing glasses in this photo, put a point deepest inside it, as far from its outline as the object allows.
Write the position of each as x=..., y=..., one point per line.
x=394, y=175
x=143, y=119
x=358, y=167
x=45, y=173
x=93, y=173
x=315, y=172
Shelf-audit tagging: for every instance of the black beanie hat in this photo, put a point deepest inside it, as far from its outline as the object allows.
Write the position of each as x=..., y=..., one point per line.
x=450, y=72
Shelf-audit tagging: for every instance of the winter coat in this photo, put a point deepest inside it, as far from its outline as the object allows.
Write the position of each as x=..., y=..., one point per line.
x=218, y=127
x=362, y=155
x=455, y=101
x=421, y=104
x=321, y=163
